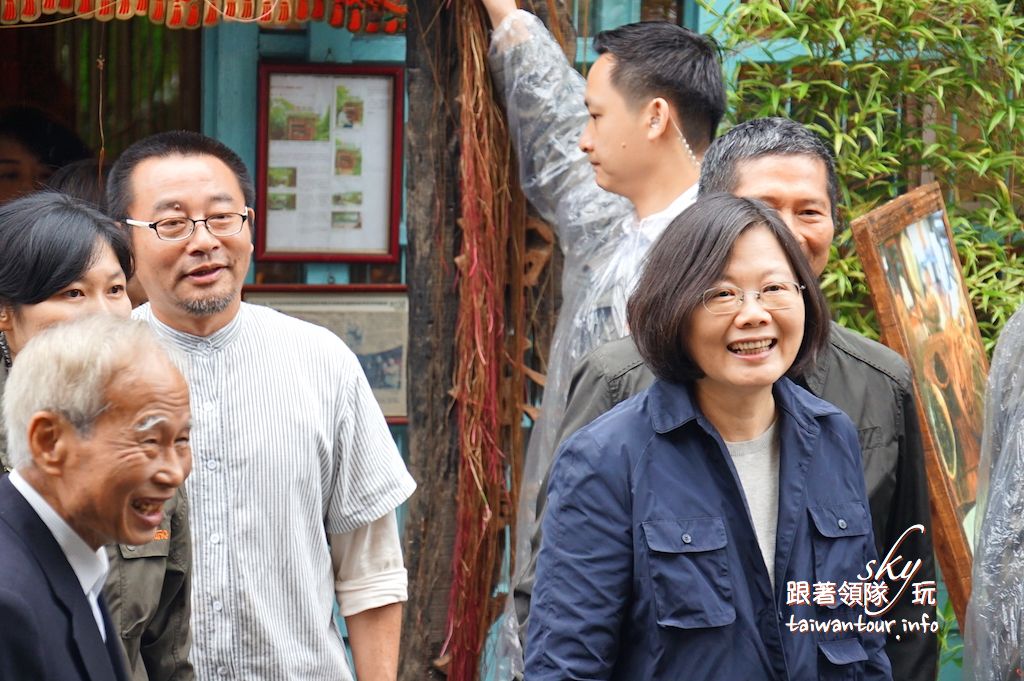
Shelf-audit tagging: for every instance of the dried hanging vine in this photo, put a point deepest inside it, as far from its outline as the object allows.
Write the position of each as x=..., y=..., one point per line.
x=490, y=343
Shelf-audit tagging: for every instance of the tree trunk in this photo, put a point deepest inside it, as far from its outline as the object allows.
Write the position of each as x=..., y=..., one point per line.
x=429, y=535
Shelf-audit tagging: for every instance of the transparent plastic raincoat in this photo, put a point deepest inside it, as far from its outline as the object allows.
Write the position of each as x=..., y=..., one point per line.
x=994, y=635
x=599, y=233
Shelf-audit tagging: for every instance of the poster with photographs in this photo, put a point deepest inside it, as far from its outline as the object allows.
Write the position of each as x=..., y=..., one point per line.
x=329, y=162
x=375, y=326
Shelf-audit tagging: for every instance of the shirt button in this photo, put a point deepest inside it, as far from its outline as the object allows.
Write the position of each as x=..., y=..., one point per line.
x=212, y=464
x=130, y=548
x=687, y=538
x=222, y=671
x=218, y=606
x=842, y=524
x=214, y=538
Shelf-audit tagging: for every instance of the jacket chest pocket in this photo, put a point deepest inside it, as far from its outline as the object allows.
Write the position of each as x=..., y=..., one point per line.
x=136, y=580
x=689, y=572
x=840, y=539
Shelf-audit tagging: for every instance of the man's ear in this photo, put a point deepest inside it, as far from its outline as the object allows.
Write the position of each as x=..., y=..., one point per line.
x=252, y=228
x=658, y=116
x=48, y=434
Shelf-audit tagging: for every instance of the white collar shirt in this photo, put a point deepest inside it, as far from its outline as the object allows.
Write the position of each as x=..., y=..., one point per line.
x=653, y=225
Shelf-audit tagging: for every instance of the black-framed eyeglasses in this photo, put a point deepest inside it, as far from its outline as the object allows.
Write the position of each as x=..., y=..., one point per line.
x=776, y=295
x=181, y=228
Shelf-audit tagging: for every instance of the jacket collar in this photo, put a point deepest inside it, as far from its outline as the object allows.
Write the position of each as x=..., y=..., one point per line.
x=672, y=405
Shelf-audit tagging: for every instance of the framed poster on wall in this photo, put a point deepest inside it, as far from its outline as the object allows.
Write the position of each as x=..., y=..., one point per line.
x=925, y=314
x=373, y=322
x=329, y=162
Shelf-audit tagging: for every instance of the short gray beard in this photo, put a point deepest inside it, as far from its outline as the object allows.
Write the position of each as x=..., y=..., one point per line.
x=204, y=307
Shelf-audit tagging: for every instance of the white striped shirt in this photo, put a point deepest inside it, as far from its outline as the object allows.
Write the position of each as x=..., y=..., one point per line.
x=288, y=445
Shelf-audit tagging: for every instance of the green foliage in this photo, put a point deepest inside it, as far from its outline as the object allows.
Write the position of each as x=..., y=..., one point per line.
x=906, y=91
x=951, y=645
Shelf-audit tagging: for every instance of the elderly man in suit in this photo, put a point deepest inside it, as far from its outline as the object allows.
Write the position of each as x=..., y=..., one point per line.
x=98, y=420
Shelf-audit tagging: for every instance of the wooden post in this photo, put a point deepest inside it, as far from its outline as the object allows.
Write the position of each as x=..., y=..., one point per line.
x=430, y=217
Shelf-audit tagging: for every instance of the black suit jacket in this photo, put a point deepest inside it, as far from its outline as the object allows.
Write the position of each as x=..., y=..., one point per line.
x=49, y=632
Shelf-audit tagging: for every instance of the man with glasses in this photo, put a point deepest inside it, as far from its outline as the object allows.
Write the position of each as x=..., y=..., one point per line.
x=296, y=477
x=787, y=166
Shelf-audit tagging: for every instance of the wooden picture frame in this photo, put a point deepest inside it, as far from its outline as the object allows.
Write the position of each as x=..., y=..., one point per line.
x=925, y=314
x=372, y=320
x=329, y=162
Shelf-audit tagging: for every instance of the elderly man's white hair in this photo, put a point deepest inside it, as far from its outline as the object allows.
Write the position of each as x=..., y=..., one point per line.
x=67, y=368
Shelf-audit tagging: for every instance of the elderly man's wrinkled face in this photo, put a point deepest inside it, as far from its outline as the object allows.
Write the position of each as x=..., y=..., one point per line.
x=117, y=477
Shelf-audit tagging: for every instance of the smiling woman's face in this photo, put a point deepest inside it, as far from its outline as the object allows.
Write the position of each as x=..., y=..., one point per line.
x=100, y=289
x=753, y=347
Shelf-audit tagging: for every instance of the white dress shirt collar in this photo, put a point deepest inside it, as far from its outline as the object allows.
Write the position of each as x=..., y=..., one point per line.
x=653, y=225
x=185, y=341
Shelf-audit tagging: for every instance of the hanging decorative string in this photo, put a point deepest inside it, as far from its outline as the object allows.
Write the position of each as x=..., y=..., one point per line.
x=490, y=344
x=358, y=16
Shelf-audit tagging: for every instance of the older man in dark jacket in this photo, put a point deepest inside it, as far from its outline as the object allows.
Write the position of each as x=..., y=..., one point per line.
x=98, y=422
x=788, y=167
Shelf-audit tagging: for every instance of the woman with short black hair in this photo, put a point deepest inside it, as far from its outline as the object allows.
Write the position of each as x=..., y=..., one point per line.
x=63, y=259
x=51, y=242
x=678, y=522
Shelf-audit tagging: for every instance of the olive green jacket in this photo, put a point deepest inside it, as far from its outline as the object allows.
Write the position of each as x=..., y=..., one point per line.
x=148, y=591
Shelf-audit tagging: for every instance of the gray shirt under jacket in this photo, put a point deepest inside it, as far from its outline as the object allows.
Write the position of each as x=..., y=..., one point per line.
x=873, y=386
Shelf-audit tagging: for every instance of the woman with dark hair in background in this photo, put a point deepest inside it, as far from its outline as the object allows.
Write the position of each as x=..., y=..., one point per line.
x=677, y=521
x=33, y=145
x=87, y=181
x=64, y=259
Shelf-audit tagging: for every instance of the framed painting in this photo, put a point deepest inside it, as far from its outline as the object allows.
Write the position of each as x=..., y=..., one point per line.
x=329, y=162
x=925, y=314
x=373, y=321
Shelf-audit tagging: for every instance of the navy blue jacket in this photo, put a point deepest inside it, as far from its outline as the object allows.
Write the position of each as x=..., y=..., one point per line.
x=650, y=568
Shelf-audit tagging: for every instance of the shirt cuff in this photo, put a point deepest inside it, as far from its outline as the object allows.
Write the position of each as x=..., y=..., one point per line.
x=368, y=567
x=374, y=591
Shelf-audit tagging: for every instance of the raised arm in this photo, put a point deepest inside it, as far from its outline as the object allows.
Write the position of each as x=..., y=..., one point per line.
x=546, y=113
